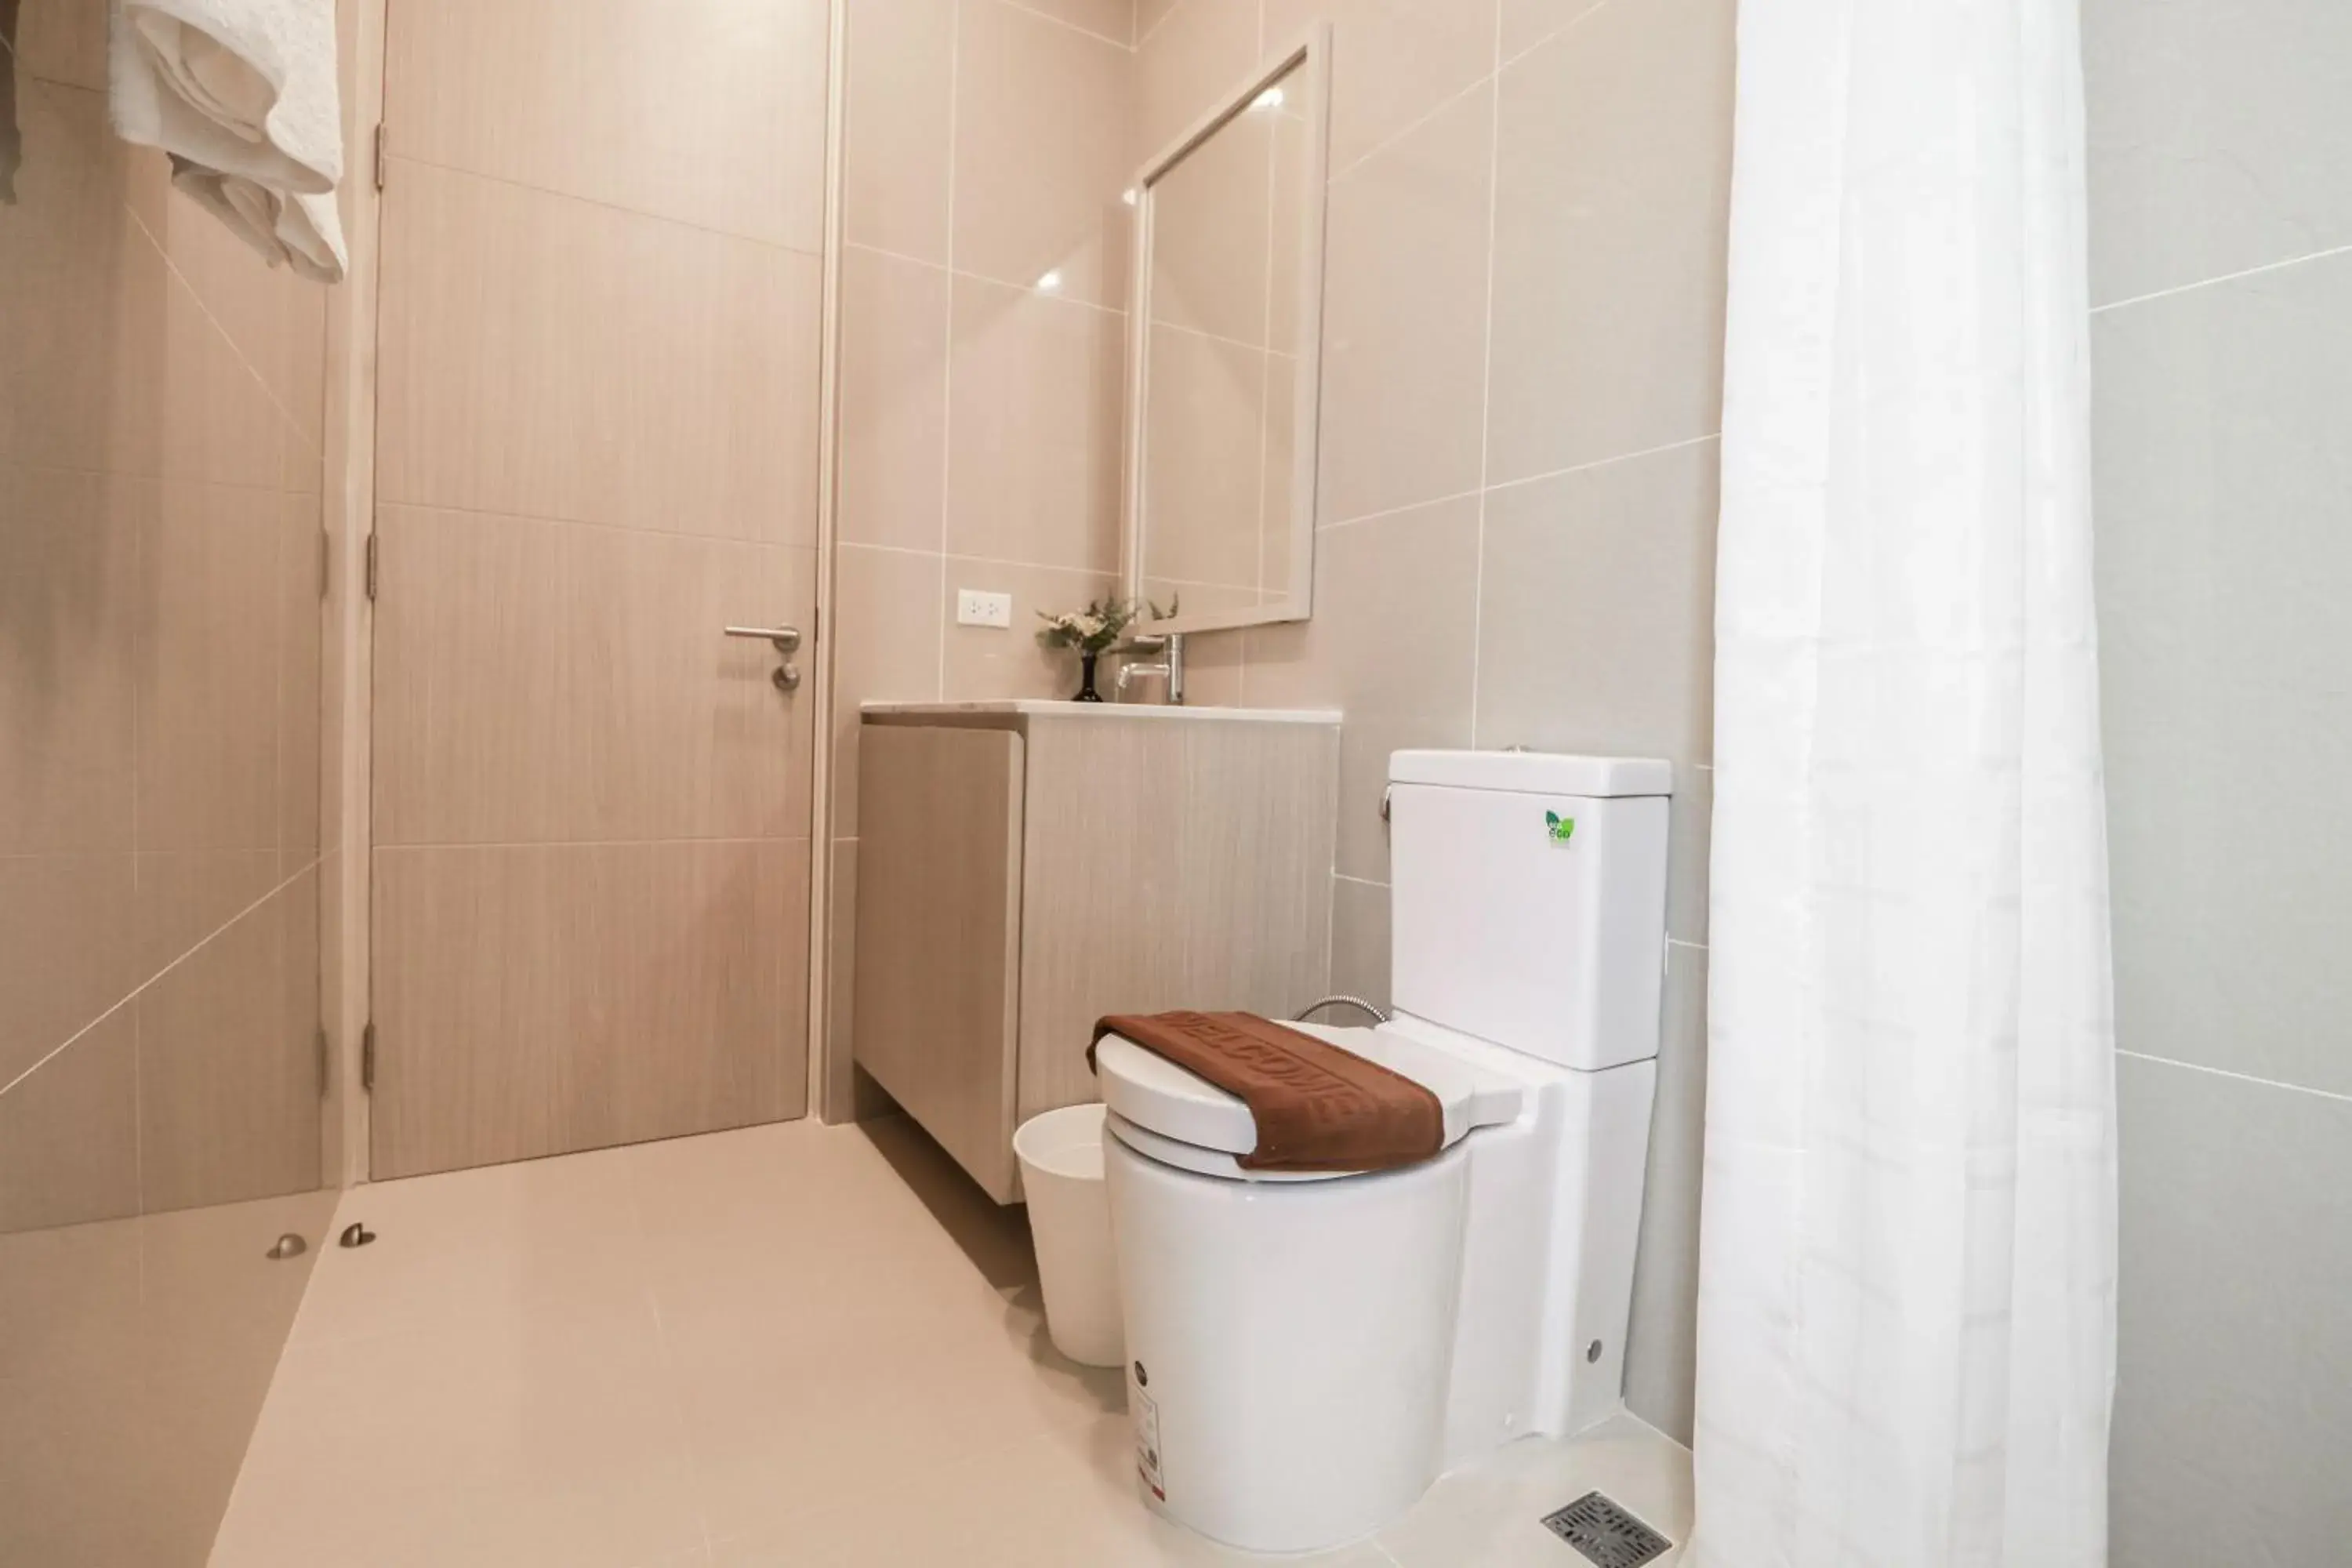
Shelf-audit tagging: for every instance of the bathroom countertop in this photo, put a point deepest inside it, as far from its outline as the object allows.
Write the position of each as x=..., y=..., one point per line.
x=1039, y=707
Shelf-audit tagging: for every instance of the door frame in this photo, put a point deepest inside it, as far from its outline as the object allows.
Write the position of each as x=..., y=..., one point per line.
x=830, y=1098
x=351, y=392
x=346, y=1005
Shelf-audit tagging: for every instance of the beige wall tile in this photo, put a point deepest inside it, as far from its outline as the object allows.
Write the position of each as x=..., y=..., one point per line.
x=619, y=710
x=1215, y=667
x=1659, y=1369
x=1278, y=475
x=63, y=41
x=1526, y=23
x=69, y=610
x=539, y=998
x=69, y=1133
x=1150, y=14
x=547, y=357
x=896, y=143
x=1597, y=619
x=2223, y=571
x=228, y=1085
x=301, y=632
x=1294, y=207
x=1211, y=247
x=187, y=895
x=1690, y=843
x=1392, y=61
x=219, y=423
x=1042, y=153
x=1198, y=598
x=983, y=661
x=82, y=317
x=274, y=320
x=305, y=306
x=1612, y=207
x=894, y=400
x=1390, y=644
x=2229, y=1213
x=245, y=299
x=208, y=666
x=1359, y=939
x=1196, y=58
x=2217, y=139
x=1111, y=19
x=887, y=603
x=69, y=1302
x=1404, y=327
x=1203, y=483
x=66, y=1452
x=581, y=97
x=66, y=949
x=1036, y=391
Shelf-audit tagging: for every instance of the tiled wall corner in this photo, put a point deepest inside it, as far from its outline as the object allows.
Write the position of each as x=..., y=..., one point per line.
x=2222, y=291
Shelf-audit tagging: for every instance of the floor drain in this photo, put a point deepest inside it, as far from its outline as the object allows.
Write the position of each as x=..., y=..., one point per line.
x=1606, y=1534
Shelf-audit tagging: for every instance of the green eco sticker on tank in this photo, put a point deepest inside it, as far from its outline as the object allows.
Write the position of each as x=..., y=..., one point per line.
x=1563, y=828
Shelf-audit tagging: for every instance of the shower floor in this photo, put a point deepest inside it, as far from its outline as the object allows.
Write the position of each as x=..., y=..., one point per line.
x=798, y=1345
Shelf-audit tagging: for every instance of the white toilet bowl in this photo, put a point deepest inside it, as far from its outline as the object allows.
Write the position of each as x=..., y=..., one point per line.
x=1306, y=1353
x=1258, y=1307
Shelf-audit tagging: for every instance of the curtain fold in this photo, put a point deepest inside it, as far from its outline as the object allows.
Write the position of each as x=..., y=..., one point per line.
x=1906, y=1295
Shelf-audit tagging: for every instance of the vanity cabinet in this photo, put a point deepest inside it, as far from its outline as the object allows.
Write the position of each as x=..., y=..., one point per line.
x=1025, y=868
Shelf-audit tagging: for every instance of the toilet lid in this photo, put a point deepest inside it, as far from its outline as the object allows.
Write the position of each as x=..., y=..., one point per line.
x=1151, y=1092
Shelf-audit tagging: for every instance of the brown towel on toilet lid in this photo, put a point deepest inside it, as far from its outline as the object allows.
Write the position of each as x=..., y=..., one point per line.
x=1317, y=1108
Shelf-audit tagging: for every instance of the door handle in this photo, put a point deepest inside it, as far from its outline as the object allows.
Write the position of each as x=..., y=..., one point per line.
x=786, y=638
x=787, y=641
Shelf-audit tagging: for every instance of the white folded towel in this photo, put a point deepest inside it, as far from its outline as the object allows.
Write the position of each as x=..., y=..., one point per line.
x=246, y=87
x=242, y=93
x=304, y=231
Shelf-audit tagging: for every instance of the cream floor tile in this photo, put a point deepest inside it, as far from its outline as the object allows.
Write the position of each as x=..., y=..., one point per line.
x=790, y=1344
x=622, y=1522
x=495, y=1243
x=1491, y=1513
x=1035, y=1504
x=507, y=1438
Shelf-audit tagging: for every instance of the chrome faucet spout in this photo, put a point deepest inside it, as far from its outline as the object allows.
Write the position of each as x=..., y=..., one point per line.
x=1170, y=667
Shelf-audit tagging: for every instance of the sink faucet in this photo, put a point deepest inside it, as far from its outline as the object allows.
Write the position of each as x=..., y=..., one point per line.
x=1170, y=665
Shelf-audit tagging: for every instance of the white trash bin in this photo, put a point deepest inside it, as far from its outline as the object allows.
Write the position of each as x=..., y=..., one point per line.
x=1061, y=1156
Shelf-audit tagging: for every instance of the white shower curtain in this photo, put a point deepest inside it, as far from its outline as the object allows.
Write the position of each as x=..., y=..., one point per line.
x=1906, y=1294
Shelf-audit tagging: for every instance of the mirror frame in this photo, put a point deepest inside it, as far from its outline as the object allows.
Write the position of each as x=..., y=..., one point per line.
x=1310, y=56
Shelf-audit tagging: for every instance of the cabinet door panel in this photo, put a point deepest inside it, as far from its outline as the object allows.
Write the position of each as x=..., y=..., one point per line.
x=938, y=934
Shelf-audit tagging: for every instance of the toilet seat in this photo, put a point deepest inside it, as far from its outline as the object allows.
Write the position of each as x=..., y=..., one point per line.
x=1170, y=1114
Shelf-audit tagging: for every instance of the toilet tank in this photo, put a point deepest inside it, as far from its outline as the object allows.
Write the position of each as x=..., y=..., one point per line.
x=1528, y=900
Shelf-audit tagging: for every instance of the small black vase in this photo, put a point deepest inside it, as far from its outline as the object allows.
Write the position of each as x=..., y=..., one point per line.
x=1086, y=693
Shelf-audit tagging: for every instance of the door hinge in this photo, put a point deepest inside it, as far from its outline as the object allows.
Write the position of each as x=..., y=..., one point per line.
x=382, y=152
x=326, y=564
x=816, y=624
x=367, y=1057
x=370, y=567
x=322, y=1062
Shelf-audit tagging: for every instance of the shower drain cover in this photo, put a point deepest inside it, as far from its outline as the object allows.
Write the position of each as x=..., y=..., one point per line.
x=1606, y=1534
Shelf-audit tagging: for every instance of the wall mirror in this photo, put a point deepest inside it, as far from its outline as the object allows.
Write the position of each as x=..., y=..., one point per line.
x=1225, y=330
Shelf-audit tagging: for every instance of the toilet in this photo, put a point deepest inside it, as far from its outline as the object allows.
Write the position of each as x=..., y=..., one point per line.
x=1306, y=1353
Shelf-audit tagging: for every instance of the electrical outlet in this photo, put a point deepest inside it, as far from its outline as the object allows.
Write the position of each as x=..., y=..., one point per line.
x=975, y=608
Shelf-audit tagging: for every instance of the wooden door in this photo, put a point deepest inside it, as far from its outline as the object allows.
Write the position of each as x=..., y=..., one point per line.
x=596, y=449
